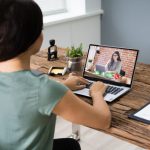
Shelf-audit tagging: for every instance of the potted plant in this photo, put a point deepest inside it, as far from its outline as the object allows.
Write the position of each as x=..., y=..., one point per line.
x=75, y=56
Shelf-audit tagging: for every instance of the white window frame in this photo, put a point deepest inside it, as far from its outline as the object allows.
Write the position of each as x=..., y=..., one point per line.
x=55, y=11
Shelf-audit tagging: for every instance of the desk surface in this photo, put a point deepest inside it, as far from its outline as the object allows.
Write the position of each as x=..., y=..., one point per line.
x=130, y=130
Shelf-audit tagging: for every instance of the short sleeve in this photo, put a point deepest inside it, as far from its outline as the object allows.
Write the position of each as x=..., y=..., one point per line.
x=50, y=93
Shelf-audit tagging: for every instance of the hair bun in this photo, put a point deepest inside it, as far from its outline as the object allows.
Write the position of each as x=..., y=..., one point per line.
x=5, y=4
x=4, y=8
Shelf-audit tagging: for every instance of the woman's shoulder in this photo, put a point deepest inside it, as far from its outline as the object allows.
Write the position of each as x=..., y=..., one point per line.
x=50, y=93
x=119, y=62
x=51, y=84
x=36, y=73
x=46, y=84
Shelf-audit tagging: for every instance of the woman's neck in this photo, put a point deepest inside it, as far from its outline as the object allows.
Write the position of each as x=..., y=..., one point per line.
x=16, y=64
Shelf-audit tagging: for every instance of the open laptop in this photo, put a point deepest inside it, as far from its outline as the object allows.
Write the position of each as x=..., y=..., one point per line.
x=104, y=57
x=100, y=68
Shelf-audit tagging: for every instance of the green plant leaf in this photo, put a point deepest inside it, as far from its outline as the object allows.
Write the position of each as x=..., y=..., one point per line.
x=75, y=52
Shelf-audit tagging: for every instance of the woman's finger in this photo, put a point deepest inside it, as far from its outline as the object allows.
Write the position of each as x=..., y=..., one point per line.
x=79, y=87
x=82, y=80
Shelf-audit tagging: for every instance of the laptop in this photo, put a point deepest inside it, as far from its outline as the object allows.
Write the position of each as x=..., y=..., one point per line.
x=100, y=68
x=105, y=64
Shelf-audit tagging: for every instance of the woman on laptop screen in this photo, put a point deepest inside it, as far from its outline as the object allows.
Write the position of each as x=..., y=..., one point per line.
x=111, y=63
x=114, y=64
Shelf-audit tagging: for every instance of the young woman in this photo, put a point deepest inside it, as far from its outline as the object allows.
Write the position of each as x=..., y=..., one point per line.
x=114, y=64
x=29, y=102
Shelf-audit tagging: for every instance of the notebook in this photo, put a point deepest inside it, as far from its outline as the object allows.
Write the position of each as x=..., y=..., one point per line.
x=143, y=114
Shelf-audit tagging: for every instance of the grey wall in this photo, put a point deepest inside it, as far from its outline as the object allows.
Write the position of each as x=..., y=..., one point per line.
x=126, y=23
x=92, y=5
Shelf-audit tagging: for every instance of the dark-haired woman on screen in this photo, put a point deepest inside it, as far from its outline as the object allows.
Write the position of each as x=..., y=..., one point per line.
x=114, y=64
x=29, y=102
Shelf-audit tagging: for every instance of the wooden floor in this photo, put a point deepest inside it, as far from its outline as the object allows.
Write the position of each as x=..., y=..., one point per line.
x=92, y=139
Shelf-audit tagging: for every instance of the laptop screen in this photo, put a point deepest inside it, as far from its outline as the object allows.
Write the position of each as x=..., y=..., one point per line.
x=111, y=64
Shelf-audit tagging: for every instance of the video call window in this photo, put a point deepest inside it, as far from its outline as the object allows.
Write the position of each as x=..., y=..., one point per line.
x=111, y=63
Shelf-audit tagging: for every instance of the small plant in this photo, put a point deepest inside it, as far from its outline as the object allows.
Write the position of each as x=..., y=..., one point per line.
x=75, y=52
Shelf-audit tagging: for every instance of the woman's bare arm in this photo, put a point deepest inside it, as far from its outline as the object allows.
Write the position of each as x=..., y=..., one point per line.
x=77, y=111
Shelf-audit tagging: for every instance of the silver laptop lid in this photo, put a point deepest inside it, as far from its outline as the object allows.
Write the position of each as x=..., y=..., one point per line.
x=111, y=65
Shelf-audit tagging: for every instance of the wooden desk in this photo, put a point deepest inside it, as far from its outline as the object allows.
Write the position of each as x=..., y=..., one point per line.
x=130, y=130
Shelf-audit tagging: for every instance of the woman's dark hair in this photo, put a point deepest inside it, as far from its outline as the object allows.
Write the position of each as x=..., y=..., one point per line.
x=116, y=53
x=21, y=23
x=118, y=58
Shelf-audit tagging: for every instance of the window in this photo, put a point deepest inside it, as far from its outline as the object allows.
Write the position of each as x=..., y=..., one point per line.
x=52, y=6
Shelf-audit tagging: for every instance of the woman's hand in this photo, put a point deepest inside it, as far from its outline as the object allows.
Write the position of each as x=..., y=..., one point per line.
x=75, y=82
x=98, y=88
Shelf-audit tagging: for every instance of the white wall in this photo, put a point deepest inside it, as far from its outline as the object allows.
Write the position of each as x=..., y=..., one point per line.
x=84, y=31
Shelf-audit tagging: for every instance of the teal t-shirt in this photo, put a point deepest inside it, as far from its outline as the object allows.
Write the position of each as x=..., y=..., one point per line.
x=26, y=103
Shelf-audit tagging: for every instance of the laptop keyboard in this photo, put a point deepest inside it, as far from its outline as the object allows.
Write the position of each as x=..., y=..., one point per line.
x=89, y=85
x=113, y=90
x=110, y=89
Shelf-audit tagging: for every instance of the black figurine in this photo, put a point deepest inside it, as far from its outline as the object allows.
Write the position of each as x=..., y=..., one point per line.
x=52, y=50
